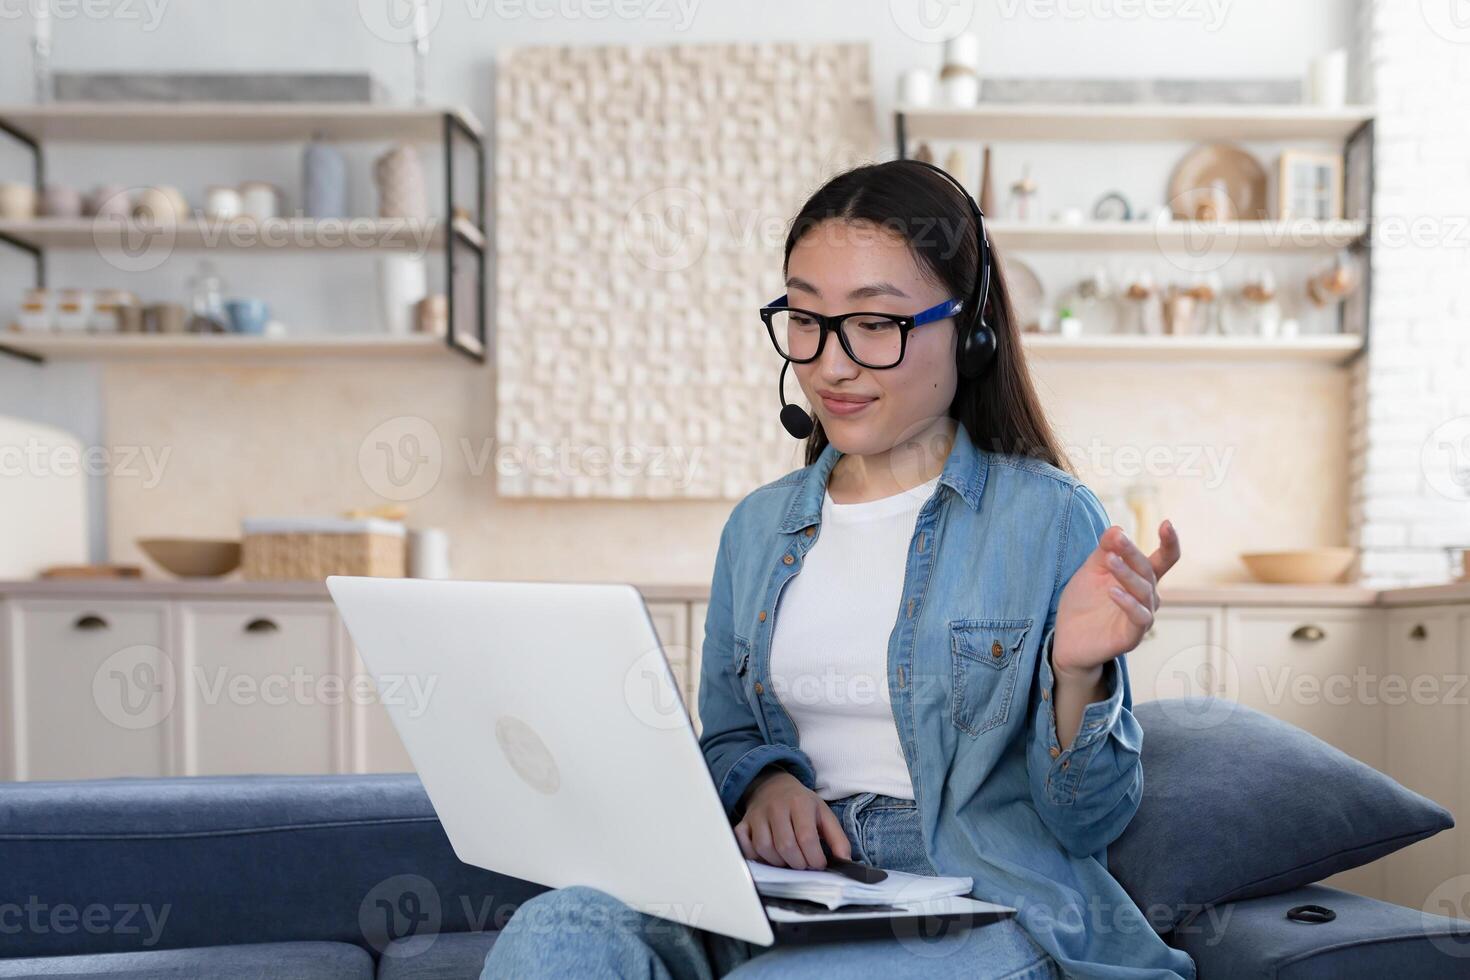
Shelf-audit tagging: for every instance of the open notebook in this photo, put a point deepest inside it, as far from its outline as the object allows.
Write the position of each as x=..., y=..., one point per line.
x=832, y=889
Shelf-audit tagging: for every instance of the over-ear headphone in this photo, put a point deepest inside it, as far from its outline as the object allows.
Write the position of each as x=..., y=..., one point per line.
x=976, y=347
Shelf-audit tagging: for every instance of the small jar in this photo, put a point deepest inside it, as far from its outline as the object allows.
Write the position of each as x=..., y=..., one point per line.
x=1143, y=500
x=35, y=311
x=431, y=315
x=916, y=87
x=110, y=201
x=161, y=205
x=107, y=309
x=73, y=310
x=17, y=201
x=260, y=200
x=223, y=203
x=60, y=201
x=961, y=86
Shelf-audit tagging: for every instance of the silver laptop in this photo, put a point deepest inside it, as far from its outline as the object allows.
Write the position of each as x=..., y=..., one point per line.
x=555, y=747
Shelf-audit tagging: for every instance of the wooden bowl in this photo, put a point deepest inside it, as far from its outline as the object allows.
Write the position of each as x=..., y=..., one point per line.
x=1309, y=566
x=193, y=557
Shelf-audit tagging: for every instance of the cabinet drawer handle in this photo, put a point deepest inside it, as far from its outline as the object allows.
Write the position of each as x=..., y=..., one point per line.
x=1418, y=632
x=89, y=621
x=1309, y=634
x=262, y=626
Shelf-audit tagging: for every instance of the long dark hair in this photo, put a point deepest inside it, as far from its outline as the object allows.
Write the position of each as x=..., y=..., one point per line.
x=999, y=408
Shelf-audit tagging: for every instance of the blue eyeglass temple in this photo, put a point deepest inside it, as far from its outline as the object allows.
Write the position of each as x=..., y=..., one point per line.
x=948, y=308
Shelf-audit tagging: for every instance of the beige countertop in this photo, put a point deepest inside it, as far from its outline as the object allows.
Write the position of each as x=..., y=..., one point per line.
x=158, y=588
x=1242, y=594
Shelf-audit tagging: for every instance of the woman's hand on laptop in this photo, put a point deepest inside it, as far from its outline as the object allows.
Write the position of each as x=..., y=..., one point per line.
x=785, y=823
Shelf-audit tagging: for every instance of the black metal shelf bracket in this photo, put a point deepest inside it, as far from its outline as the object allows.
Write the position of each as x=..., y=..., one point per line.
x=38, y=257
x=476, y=349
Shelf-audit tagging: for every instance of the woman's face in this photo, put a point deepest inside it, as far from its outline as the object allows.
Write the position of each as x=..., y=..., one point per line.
x=842, y=267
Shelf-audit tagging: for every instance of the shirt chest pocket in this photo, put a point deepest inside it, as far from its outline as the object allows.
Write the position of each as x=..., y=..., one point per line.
x=985, y=658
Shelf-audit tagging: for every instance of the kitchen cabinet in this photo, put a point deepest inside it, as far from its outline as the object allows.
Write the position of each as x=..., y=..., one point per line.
x=1424, y=707
x=1313, y=667
x=698, y=612
x=1179, y=655
x=671, y=623
x=87, y=689
x=186, y=685
x=376, y=746
x=263, y=690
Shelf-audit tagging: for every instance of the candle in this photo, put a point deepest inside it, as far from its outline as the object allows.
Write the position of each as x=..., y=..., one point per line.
x=41, y=49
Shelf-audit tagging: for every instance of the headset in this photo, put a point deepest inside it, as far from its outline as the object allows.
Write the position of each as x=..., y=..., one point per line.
x=977, y=342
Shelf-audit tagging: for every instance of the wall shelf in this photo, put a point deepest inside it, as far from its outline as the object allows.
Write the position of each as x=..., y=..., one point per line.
x=1128, y=121
x=274, y=234
x=460, y=239
x=224, y=348
x=1350, y=127
x=226, y=122
x=1321, y=348
x=1256, y=236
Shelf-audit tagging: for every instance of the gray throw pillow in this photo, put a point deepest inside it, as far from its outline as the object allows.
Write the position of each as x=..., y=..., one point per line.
x=1237, y=804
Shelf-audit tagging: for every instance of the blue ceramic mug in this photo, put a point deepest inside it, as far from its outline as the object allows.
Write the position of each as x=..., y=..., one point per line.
x=248, y=315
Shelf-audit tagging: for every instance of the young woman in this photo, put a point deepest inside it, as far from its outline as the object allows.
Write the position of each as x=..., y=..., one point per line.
x=944, y=690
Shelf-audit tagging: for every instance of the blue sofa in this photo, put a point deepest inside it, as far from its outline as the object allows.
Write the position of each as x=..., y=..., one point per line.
x=353, y=877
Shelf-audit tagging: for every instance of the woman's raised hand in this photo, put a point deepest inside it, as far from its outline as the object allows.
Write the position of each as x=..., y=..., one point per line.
x=785, y=824
x=1108, y=605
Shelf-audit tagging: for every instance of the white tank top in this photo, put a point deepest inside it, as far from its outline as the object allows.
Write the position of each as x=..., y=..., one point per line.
x=829, y=653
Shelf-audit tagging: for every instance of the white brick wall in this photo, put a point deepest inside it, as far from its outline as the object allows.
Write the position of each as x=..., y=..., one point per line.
x=1411, y=398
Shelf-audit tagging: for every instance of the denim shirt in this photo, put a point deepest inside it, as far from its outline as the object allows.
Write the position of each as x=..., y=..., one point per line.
x=971, y=681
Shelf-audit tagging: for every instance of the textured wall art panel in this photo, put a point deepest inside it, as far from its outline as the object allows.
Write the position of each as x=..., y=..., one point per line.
x=642, y=199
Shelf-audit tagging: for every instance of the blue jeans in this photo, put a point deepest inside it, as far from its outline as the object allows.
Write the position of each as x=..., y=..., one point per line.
x=585, y=932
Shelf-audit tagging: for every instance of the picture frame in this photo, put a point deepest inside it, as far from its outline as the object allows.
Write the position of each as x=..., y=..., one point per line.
x=1309, y=185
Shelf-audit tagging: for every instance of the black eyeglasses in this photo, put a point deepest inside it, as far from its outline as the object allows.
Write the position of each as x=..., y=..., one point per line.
x=876, y=341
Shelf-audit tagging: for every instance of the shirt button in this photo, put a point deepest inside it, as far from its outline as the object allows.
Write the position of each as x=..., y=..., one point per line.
x=762, y=616
x=758, y=688
x=995, y=649
x=1045, y=694
x=1055, y=751
x=810, y=531
x=1066, y=763
x=788, y=559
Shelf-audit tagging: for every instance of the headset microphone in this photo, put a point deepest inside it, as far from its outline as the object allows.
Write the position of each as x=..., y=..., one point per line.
x=793, y=417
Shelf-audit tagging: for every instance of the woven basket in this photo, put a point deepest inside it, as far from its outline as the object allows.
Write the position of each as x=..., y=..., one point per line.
x=311, y=550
